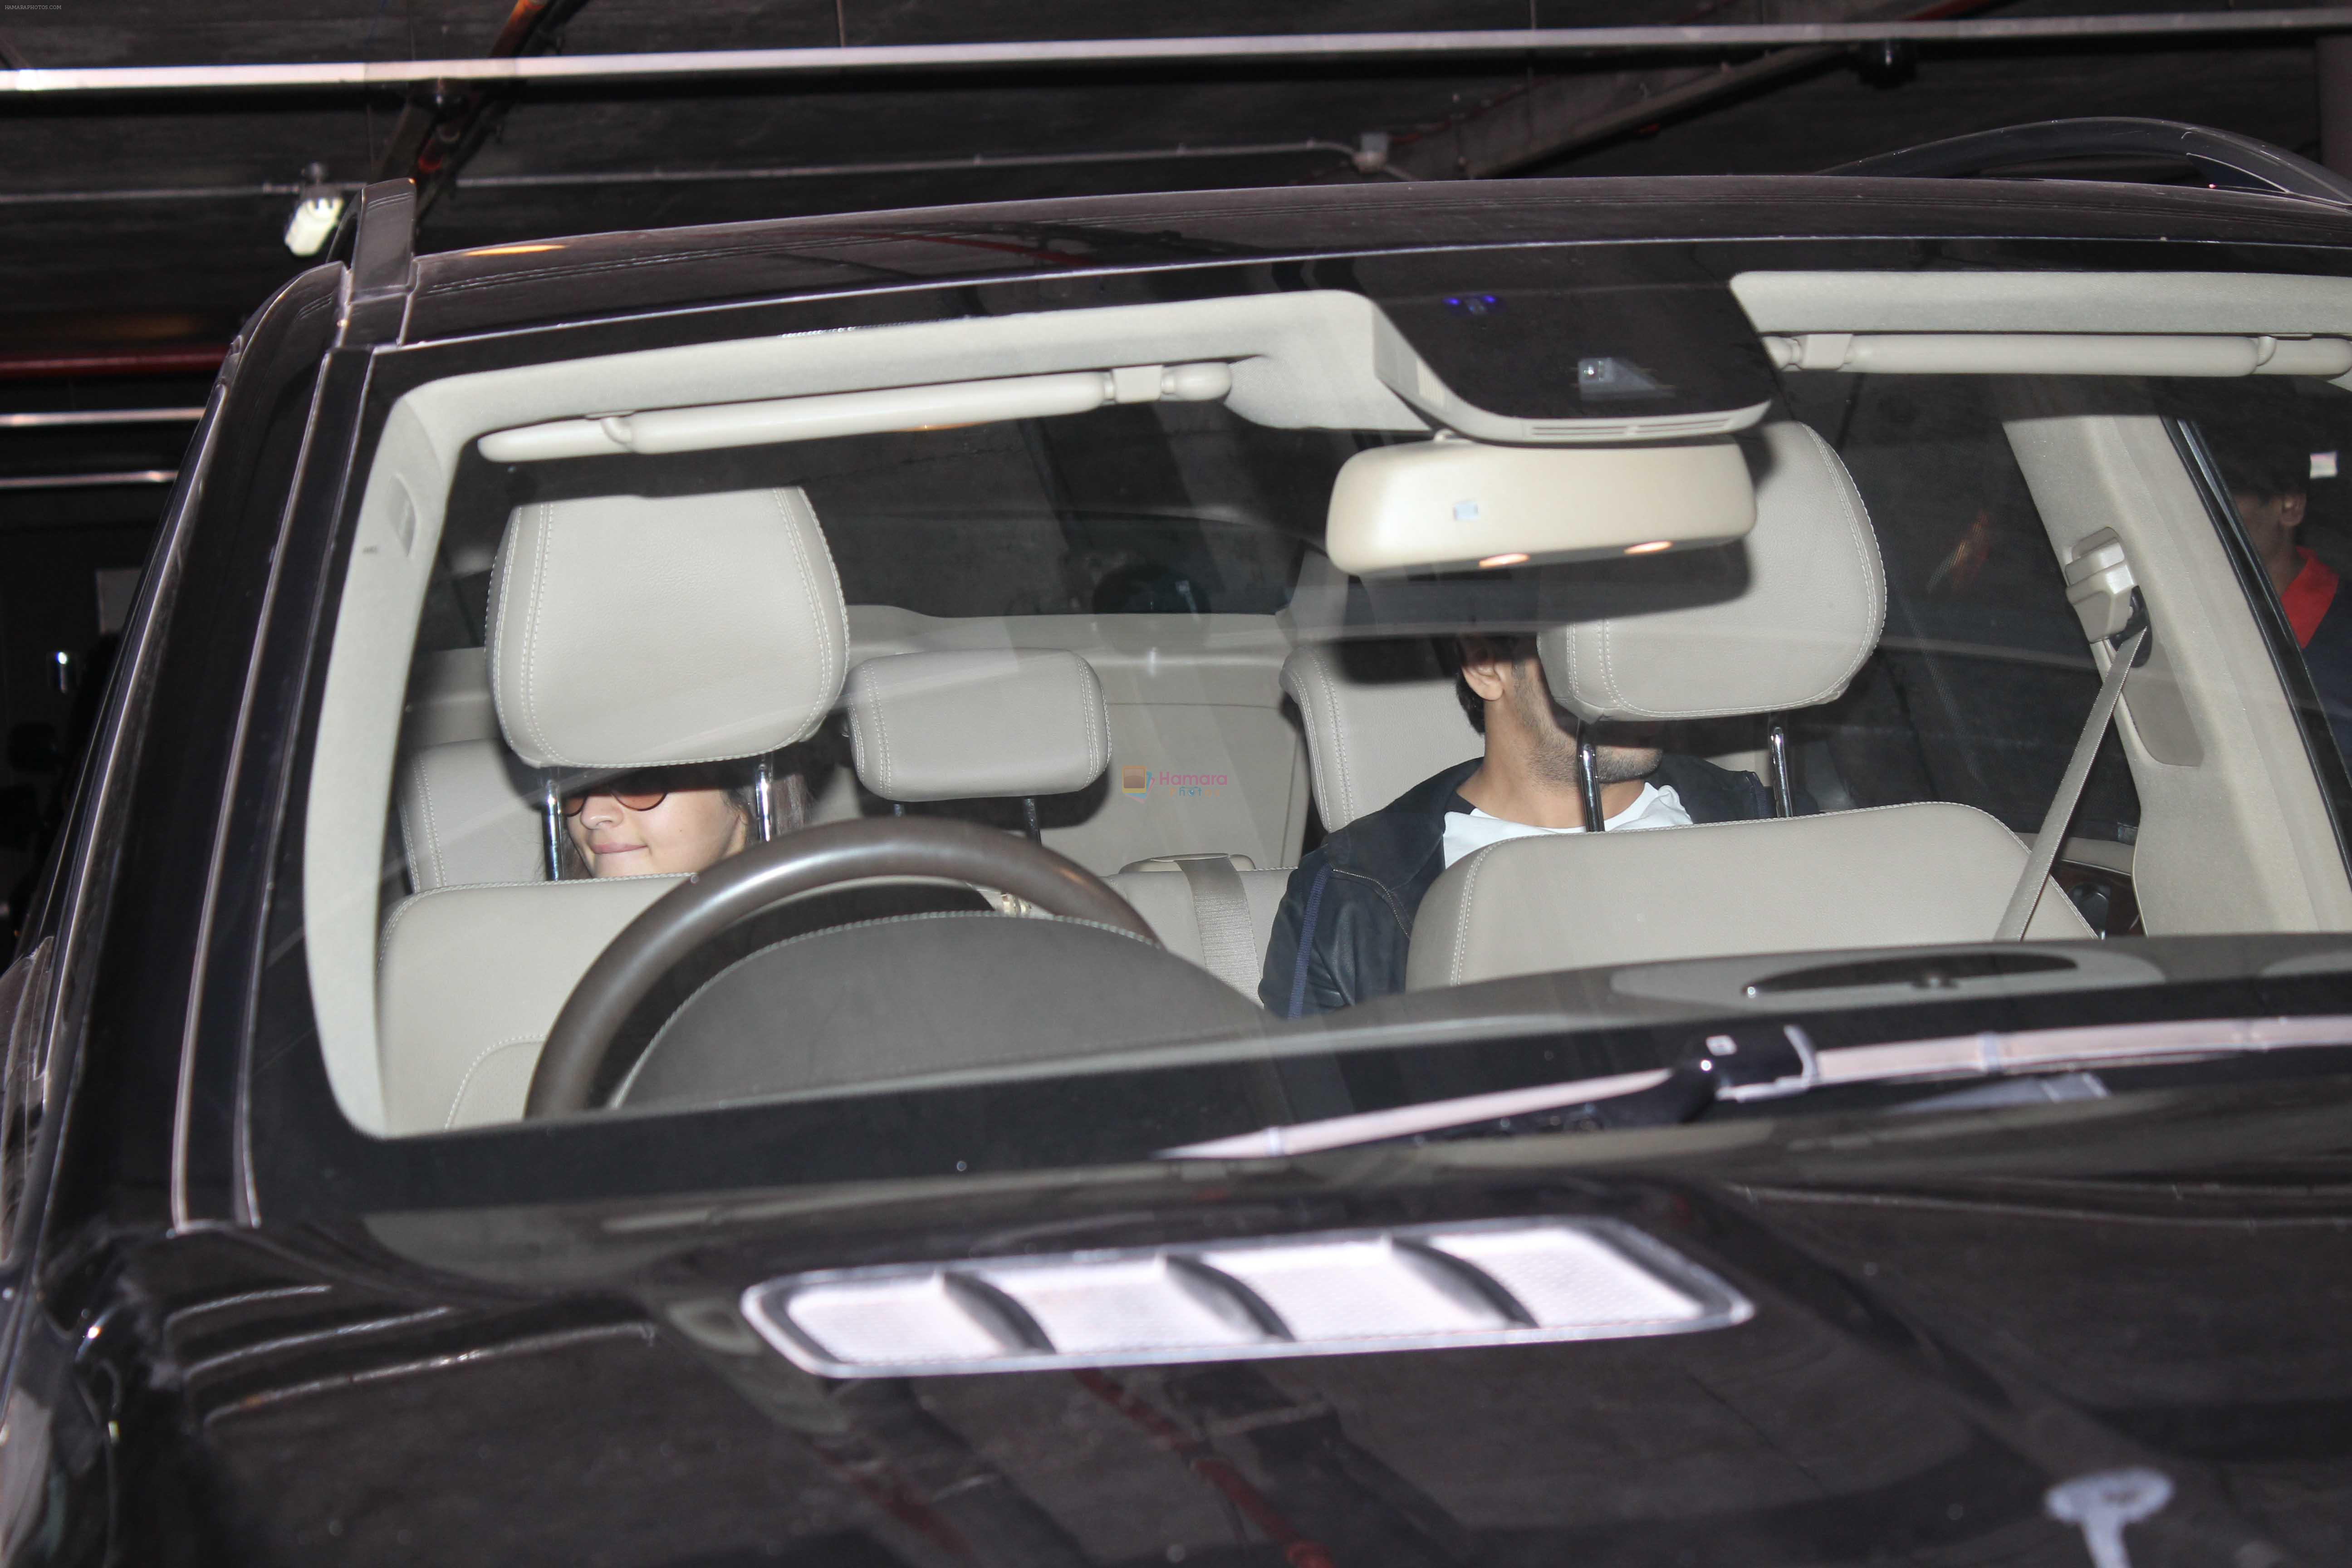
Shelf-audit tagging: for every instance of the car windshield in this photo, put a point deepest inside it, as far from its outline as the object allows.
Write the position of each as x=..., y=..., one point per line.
x=1146, y=728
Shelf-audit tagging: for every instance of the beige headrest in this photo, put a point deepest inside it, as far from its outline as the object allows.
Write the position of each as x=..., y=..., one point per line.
x=972, y=725
x=1799, y=626
x=469, y=814
x=633, y=631
x=1379, y=718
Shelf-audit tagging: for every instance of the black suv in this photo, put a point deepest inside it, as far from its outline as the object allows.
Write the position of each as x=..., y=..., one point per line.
x=728, y=904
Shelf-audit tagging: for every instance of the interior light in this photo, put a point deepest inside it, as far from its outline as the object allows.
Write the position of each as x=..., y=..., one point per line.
x=512, y=249
x=1652, y=548
x=317, y=212
x=1508, y=558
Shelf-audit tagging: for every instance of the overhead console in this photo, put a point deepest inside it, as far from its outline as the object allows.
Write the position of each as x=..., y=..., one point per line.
x=1583, y=407
x=1524, y=350
x=1566, y=344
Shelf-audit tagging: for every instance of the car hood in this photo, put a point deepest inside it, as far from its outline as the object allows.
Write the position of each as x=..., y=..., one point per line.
x=1954, y=1316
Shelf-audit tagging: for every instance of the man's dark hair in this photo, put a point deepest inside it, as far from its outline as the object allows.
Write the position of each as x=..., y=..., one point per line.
x=2264, y=466
x=1452, y=652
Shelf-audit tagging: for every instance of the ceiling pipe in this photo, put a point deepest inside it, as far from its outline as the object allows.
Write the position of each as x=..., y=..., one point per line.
x=39, y=364
x=521, y=22
x=427, y=102
x=1314, y=48
x=594, y=177
x=67, y=418
x=461, y=121
x=435, y=118
x=153, y=193
x=1544, y=119
x=909, y=166
x=88, y=482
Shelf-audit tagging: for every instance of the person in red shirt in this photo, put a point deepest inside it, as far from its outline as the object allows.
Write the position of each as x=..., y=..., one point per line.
x=2270, y=485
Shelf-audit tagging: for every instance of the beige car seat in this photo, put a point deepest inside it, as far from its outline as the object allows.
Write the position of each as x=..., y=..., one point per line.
x=467, y=808
x=627, y=632
x=1789, y=631
x=1215, y=910
x=1023, y=722
x=470, y=812
x=1381, y=717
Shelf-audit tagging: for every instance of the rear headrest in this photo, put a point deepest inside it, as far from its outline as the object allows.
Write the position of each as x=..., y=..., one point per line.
x=468, y=813
x=1379, y=717
x=972, y=725
x=634, y=631
x=1808, y=614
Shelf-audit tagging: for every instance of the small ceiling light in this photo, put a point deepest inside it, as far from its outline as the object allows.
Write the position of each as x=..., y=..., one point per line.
x=317, y=213
x=512, y=249
x=1510, y=558
x=1652, y=548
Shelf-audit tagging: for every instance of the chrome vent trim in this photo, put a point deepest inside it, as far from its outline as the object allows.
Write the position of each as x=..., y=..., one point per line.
x=1432, y=1287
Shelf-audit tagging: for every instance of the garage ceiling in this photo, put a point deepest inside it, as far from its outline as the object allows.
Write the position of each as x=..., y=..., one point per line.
x=155, y=220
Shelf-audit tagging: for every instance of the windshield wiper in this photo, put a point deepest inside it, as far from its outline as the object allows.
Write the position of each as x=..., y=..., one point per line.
x=1769, y=1061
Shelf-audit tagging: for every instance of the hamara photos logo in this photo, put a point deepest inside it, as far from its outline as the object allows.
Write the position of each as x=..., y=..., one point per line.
x=1139, y=782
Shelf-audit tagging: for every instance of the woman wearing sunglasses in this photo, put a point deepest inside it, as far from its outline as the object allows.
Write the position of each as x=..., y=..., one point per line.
x=667, y=820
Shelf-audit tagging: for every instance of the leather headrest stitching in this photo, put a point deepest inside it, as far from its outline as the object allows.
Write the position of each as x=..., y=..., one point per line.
x=975, y=724
x=634, y=631
x=1804, y=615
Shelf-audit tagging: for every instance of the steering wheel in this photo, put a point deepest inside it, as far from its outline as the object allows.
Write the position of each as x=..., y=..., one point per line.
x=710, y=901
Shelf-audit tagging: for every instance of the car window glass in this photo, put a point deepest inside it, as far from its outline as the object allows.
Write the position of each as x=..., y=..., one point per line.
x=1168, y=559
x=2277, y=449
x=1178, y=509
x=1978, y=688
x=1177, y=532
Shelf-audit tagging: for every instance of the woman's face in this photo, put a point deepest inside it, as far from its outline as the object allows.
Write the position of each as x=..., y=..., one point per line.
x=689, y=830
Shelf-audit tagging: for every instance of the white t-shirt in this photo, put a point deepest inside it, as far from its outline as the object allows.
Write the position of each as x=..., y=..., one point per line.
x=1654, y=807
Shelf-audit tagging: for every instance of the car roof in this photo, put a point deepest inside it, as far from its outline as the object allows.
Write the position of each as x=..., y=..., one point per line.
x=580, y=276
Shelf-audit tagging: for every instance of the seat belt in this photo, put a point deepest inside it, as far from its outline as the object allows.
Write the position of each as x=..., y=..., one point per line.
x=2026, y=894
x=1221, y=914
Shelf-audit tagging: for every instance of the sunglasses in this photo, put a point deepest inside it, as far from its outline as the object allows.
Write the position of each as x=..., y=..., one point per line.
x=647, y=788
x=634, y=799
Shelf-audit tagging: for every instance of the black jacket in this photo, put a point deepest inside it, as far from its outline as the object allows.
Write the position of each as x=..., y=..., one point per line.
x=1359, y=888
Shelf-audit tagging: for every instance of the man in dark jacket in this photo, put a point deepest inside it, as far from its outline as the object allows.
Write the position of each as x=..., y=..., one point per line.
x=1346, y=919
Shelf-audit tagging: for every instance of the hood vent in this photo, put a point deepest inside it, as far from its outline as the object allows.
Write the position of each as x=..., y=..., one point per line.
x=1335, y=1292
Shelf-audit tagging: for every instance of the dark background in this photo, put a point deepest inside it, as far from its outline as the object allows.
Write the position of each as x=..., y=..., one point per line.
x=136, y=231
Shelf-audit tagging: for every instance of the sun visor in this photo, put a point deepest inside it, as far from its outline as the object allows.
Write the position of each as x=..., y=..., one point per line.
x=1565, y=345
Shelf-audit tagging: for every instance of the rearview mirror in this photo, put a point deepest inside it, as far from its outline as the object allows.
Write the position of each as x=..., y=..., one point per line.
x=1449, y=504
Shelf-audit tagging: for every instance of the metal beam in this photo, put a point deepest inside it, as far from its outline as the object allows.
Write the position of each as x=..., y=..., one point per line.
x=977, y=162
x=160, y=193
x=1312, y=48
x=181, y=360
x=1557, y=115
x=1555, y=118
x=460, y=123
x=78, y=416
x=88, y=482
